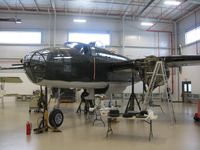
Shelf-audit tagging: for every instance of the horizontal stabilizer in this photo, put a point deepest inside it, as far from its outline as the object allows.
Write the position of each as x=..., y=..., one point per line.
x=10, y=80
x=20, y=65
x=11, y=68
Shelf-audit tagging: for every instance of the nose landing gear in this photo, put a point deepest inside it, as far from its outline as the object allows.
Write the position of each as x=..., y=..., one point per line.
x=55, y=118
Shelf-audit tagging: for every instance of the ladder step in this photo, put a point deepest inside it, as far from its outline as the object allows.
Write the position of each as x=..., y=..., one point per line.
x=158, y=67
x=150, y=73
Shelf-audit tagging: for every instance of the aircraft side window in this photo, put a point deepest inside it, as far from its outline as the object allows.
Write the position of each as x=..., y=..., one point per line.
x=78, y=47
x=93, y=51
x=85, y=50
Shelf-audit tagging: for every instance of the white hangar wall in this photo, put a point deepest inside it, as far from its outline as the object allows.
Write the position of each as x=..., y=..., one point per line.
x=134, y=43
x=189, y=73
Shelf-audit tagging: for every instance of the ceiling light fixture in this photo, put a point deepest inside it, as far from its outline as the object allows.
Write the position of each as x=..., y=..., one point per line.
x=146, y=23
x=80, y=20
x=175, y=3
x=16, y=20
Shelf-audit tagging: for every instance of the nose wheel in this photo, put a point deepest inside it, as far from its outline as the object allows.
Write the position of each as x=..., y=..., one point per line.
x=56, y=118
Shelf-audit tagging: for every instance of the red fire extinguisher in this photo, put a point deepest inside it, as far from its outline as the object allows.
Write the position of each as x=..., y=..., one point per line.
x=28, y=128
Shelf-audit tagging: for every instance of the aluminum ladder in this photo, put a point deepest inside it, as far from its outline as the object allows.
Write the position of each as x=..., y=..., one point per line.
x=159, y=70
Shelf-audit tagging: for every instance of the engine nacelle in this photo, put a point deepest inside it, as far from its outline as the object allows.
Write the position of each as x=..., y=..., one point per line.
x=146, y=69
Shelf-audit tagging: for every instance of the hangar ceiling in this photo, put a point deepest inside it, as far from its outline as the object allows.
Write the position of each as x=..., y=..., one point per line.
x=153, y=9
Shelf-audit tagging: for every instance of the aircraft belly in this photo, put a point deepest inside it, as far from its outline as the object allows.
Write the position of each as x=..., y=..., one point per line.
x=73, y=84
x=77, y=84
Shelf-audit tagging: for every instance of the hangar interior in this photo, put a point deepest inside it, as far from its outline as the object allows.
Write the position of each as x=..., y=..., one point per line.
x=170, y=29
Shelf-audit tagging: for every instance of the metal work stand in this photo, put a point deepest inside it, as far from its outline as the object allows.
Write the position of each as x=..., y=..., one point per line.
x=109, y=130
x=130, y=106
x=150, y=129
x=87, y=106
x=79, y=107
x=98, y=118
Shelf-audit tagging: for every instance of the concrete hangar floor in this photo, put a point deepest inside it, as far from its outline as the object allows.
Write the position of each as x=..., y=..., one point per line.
x=79, y=134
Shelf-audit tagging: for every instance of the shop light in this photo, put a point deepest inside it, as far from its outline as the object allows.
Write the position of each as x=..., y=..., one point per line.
x=146, y=23
x=80, y=20
x=18, y=21
x=175, y=3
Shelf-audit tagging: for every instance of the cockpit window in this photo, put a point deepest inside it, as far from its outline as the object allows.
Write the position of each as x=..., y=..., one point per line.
x=70, y=44
x=84, y=49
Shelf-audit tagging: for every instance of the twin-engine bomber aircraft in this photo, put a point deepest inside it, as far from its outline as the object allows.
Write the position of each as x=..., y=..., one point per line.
x=79, y=65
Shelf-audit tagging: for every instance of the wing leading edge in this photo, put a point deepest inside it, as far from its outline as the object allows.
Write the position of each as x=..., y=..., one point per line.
x=170, y=61
x=142, y=67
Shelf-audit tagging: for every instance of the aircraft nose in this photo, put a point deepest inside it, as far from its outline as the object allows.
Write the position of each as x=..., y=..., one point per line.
x=35, y=65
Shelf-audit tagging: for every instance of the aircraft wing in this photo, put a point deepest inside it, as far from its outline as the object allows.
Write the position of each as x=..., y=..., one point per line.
x=170, y=61
x=181, y=60
x=141, y=67
x=11, y=68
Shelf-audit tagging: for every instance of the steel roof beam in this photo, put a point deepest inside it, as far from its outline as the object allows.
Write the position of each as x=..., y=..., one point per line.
x=156, y=5
x=166, y=13
x=7, y=5
x=134, y=3
x=141, y=12
x=94, y=10
x=109, y=2
x=21, y=4
x=117, y=17
x=36, y=5
x=65, y=8
x=187, y=14
x=79, y=11
x=53, y=5
x=125, y=10
x=109, y=10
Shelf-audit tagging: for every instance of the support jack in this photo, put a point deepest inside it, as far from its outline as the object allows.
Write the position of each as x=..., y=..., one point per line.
x=131, y=103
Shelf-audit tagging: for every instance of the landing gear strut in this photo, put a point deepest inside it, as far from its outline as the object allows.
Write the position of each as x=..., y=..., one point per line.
x=55, y=117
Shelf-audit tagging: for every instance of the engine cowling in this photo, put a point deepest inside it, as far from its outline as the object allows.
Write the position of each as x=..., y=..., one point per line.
x=146, y=69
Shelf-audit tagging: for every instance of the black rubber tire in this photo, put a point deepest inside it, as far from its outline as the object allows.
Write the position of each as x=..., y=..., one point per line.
x=56, y=118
